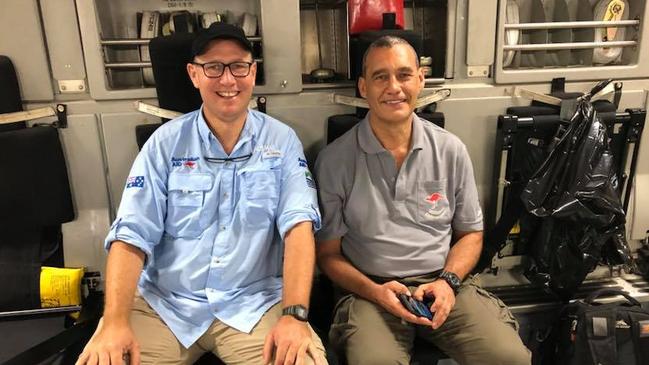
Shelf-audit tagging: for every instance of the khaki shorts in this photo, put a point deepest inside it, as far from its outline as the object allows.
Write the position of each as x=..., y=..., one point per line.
x=158, y=345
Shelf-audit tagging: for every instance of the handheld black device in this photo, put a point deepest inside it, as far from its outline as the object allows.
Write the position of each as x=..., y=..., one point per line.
x=420, y=309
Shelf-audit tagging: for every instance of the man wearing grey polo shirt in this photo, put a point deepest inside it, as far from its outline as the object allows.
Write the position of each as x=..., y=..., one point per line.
x=401, y=216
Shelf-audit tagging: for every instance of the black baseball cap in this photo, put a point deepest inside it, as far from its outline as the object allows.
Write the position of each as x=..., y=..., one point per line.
x=219, y=30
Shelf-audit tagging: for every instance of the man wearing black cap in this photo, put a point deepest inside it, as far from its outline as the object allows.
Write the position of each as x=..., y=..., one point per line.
x=216, y=221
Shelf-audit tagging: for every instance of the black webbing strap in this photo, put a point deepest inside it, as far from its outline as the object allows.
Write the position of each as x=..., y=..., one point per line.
x=496, y=238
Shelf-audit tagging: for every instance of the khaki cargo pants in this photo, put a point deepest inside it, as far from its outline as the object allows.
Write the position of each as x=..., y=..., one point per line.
x=158, y=345
x=479, y=330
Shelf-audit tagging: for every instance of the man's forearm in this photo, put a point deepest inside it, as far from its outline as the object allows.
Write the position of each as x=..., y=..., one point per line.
x=299, y=264
x=345, y=275
x=464, y=255
x=123, y=269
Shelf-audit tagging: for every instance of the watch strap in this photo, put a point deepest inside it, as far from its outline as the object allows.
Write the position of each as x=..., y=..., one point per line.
x=297, y=311
x=452, y=279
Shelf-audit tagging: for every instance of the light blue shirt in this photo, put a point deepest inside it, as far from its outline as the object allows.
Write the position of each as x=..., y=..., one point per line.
x=213, y=230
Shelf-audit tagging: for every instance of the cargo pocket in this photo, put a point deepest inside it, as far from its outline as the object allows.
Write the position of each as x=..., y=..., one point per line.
x=600, y=335
x=341, y=326
x=261, y=189
x=496, y=306
x=186, y=195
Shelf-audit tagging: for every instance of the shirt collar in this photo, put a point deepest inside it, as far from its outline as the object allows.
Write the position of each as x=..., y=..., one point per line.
x=370, y=144
x=417, y=133
x=249, y=132
x=203, y=129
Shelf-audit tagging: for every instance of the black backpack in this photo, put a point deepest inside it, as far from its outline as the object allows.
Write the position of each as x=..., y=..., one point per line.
x=600, y=334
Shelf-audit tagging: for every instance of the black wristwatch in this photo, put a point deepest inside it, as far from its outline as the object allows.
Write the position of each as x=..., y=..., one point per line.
x=298, y=312
x=453, y=280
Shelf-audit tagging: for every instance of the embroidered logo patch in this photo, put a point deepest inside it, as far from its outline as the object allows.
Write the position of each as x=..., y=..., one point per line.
x=436, y=200
x=135, y=182
x=271, y=154
x=190, y=164
x=309, y=180
x=301, y=162
x=180, y=161
x=268, y=151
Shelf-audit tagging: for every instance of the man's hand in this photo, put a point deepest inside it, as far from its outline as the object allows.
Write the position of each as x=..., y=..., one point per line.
x=385, y=295
x=109, y=345
x=292, y=342
x=444, y=300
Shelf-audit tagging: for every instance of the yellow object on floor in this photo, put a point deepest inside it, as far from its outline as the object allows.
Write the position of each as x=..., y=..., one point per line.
x=60, y=287
x=516, y=229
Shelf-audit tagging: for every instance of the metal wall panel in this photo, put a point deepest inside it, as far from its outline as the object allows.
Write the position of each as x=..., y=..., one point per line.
x=120, y=149
x=23, y=43
x=83, y=238
x=64, y=45
x=481, y=29
x=278, y=24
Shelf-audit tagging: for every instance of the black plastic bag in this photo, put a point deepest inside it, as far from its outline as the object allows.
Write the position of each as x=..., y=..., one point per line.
x=575, y=194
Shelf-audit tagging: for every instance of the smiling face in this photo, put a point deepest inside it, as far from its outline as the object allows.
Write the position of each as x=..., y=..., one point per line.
x=391, y=83
x=225, y=98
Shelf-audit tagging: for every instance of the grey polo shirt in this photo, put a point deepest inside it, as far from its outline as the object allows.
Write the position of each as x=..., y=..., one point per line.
x=396, y=223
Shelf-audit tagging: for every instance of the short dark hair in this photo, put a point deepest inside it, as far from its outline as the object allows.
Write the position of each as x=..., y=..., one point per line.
x=387, y=41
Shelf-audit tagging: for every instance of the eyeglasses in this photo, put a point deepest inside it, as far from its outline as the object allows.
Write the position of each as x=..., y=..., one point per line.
x=228, y=159
x=216, y=69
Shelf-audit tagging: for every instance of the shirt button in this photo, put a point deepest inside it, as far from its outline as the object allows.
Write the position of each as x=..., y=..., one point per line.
x=216, y=260
x=227, y=164
x=225, y=195
x=223, y=228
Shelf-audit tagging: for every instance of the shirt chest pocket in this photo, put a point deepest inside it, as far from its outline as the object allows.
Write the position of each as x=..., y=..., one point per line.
x=185, y=200
x=433, y=204
x=261, y=188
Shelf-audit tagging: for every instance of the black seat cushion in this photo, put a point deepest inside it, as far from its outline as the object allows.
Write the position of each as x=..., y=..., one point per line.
x=10, y=100
x=143, y=132
x=34, y=189
x=169, y=57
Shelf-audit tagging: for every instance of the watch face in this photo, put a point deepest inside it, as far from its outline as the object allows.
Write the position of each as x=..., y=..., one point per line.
x=301, y=312
x=297, y=311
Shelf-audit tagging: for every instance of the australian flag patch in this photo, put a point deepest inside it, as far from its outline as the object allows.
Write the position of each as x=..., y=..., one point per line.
x=135, y=182
x=309, y=180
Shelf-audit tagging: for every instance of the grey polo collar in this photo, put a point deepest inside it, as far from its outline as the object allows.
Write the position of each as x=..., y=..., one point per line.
x=370, y=144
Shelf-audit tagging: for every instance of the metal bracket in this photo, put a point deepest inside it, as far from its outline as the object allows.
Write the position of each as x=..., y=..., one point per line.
x=71, y=86
x=633, y=136
x=62, y=116
x=617, y=94
x=60, y=112
x=261, y=104
x=171, y=114
x=477, y=71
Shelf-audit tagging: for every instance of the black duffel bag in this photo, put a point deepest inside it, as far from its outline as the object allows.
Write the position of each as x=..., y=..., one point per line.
x=600, y=334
